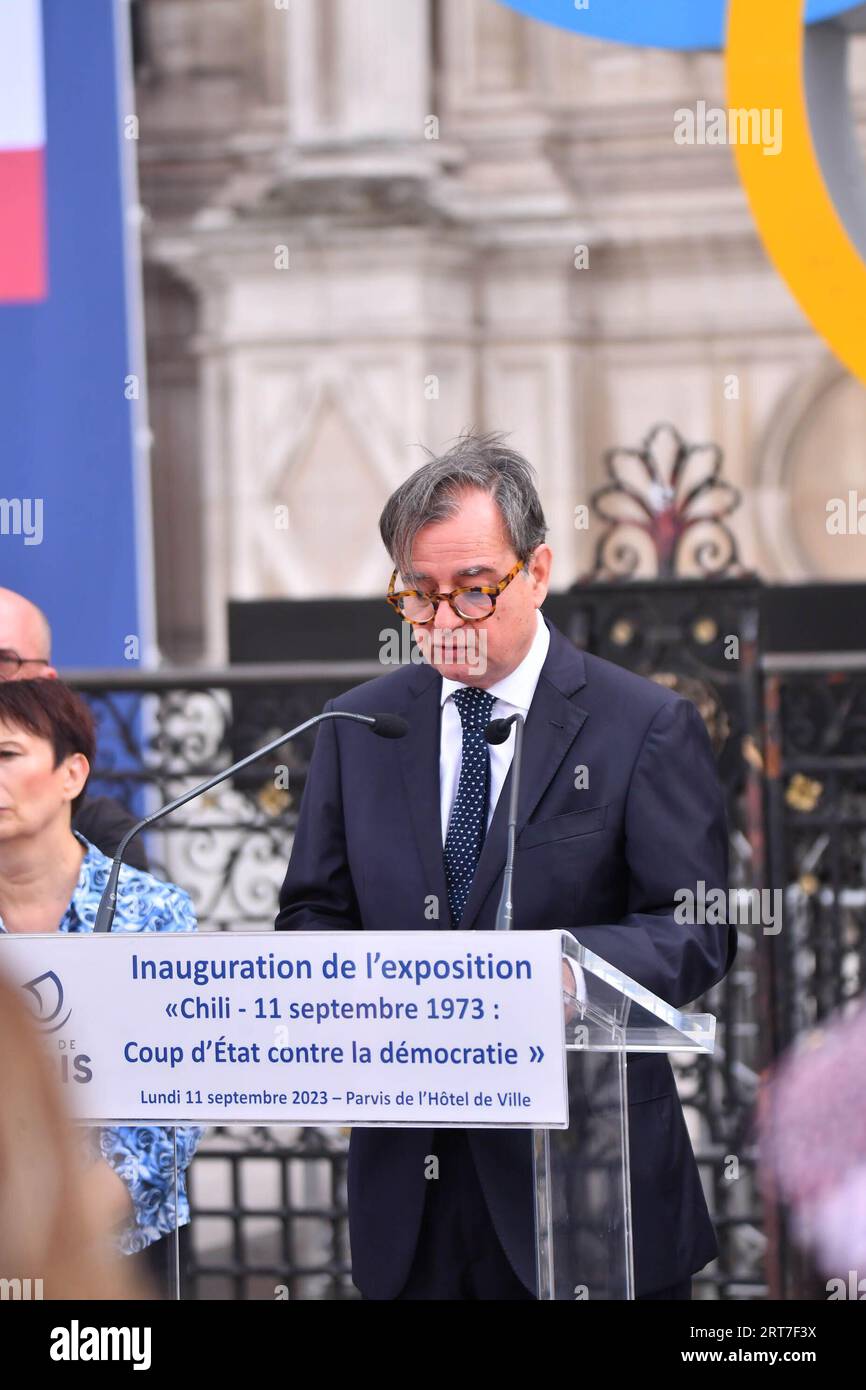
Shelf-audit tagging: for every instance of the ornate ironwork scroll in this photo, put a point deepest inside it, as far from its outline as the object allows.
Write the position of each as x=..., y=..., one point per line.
x=665, y=508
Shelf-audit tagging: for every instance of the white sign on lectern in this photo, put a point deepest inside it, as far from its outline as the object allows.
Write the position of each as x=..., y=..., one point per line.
x=358, y=1028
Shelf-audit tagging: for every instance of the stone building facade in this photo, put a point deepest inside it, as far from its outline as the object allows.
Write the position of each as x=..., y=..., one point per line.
x=369, y=224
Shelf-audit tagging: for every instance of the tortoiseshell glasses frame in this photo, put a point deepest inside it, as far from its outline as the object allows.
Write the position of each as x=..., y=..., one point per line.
x=490, y=591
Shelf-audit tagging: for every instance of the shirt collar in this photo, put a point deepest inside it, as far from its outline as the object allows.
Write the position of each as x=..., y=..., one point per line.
x=518, y=687
x=73, y=920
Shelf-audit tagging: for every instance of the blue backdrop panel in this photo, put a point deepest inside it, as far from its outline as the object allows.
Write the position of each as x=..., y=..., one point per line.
x=65, y=423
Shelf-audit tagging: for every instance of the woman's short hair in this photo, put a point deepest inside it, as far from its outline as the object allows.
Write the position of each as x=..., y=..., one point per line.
x=51, y=710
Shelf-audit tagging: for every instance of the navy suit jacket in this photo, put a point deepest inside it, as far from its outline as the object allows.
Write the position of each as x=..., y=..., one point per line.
x=603, y=862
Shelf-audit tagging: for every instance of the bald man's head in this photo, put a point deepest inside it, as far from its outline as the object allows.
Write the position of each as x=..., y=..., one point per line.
x=24, y=630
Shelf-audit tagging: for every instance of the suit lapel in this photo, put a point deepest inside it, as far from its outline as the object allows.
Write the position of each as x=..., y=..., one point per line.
x=419, y=757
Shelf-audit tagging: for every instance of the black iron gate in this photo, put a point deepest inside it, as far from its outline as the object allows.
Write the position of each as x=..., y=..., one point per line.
x=790, y=731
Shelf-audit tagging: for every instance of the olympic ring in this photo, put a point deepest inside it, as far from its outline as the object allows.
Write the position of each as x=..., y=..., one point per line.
x=795, y=215
x=657, y=23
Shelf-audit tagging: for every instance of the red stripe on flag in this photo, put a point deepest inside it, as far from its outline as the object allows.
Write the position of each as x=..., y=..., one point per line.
x=22, y=225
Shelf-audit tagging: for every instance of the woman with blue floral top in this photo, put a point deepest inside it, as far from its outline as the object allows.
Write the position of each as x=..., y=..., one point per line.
x=51, y=879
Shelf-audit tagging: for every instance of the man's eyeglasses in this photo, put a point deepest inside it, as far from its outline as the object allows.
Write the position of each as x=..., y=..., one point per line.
x=11, y=663
x=473, y=604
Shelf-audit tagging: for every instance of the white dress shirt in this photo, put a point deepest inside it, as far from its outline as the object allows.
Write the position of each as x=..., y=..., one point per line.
x=513, y=695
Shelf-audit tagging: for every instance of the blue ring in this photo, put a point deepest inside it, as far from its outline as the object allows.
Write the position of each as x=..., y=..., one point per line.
x=655, y=23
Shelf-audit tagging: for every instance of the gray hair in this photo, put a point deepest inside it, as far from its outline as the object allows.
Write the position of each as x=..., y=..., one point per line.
x=432, y=493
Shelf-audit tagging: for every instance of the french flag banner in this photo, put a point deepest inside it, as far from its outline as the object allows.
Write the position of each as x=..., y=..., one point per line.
x=75, y=519
x=22, y=153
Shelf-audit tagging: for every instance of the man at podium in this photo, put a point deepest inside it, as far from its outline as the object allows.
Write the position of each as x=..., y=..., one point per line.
x=620, y=808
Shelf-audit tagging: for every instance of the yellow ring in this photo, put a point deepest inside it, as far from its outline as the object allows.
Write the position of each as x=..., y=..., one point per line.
x=795, y=215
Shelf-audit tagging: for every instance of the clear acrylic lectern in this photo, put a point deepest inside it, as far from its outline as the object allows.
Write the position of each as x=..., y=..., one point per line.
x=581, y=1173
x=582, y=1184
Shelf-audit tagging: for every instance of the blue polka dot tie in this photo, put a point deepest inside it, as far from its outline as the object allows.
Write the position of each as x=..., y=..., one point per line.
x=468, y=824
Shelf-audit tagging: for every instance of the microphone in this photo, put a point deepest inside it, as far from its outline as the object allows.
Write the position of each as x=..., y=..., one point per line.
x=385, y=725
x=497, y=731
